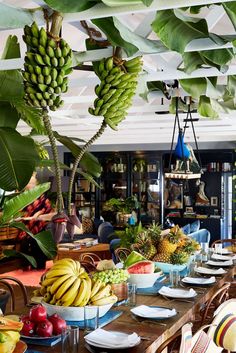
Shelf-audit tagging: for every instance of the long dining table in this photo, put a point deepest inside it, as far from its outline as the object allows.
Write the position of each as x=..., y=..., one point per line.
x=153, y=332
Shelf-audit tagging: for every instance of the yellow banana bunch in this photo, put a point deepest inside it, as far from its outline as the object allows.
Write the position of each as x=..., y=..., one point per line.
x=47, y=64
x=116, y=89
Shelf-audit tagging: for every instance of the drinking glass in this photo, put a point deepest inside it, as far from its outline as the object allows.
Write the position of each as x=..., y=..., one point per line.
x=131, y=294
x=91, y=318
x=70, y=340
x=218, y=249
x=191, y=268
x=174, y=278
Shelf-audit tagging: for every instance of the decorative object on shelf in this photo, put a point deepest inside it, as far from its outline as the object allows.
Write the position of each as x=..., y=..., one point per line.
x=173, y=194
x=201, y=198
x=214, y=201
x=187, y=166
x=139, y=165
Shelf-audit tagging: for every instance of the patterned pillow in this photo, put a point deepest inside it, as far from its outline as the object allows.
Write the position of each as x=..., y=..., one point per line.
x=87, y=225
x=225, y=331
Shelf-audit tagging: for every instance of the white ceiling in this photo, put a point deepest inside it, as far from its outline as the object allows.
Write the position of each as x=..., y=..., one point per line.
x=142, y=125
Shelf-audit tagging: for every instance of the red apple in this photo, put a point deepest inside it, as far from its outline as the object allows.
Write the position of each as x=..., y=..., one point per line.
x=28, y=328
x=58, y=323
x=38, y=313
x=44, y=329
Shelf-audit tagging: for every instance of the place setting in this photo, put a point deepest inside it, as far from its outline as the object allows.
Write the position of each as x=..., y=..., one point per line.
x=206, y=271
x=198, y=282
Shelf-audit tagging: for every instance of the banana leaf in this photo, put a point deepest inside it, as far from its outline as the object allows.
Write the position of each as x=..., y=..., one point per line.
x=30, y=115
x=70, y=5
x=18, y=159
x=197, y=87
x=176, y=30
x=8, y=115
x=230, y=9
x=205, y=108
x=89, y=162
x=113, y=35
x=14, y=253
x=12, y=206
x=11, y=49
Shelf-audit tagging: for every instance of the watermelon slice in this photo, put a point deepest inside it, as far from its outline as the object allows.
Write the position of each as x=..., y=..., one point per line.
x=133, y=258
x=142, y=267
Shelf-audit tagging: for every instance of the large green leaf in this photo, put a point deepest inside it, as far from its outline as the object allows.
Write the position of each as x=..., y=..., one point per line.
x=89, y=162
x=113, y=35
x=143, y=44
x=31, y=116
x=176, y=32
x=147, y=2
x=15, y=17
x=230, y=8
x=14, y=253
x=88, y=177
x=205, y=108
x=18, y=158
x=192, y=61
x=197, y=87
x=8, y=115
x=12, y=48
x=70, y=5
x=17, y=203
x=11, y=85
x=44, y=240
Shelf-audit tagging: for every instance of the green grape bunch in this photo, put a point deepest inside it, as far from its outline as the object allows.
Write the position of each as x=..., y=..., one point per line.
x=116, y=90
x=112, y=276
x=47, y=63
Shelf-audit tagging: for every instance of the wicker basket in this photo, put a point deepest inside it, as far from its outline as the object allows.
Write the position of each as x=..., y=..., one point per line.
x=8, y=233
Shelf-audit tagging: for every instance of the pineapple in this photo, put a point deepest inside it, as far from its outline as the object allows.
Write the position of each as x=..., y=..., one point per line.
x=169, y=242
x=179, y=257
x=162, y=258
x=144, y=246
x=154, y=233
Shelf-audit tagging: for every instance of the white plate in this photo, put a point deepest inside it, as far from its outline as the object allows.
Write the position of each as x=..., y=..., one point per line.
x=121, y=335
x=223, y=251
x=199, y=281
x=178, y=293
x=157, y=316
x=209, y=271
x=220, y=263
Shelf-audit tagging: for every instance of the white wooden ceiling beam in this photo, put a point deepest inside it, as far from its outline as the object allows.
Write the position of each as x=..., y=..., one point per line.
x=101, y=10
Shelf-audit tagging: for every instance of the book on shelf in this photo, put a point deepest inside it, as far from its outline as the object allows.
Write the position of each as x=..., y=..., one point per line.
x=86, y=242
x=69, y=246
x=189, y=214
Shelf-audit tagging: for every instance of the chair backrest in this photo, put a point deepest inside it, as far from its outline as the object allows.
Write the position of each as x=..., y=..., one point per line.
x=225, y=242
x=104, y=230
x=90, y=257
x=221, y=295
x=9, y=282
x=121, y=254
x=201, y=236
x=171, y=344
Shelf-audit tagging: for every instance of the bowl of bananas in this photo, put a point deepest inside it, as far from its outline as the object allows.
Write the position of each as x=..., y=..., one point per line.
x=72, y=313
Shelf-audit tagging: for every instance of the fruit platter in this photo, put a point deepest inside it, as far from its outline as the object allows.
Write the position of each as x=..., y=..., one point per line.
x=10, y=336
x=66, y=288
x=171, y=249
x=37, y=324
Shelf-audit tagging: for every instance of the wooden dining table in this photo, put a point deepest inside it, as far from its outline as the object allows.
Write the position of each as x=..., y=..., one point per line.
x=153, y=332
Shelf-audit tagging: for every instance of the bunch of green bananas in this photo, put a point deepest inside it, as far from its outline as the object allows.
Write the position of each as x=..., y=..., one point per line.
x=67, y=284
x=116, y=90
x=47, y=64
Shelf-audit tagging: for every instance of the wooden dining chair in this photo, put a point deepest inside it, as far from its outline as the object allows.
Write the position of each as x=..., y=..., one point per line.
x=230, y=242
x=121, y=254
x=171, y=344
x=10, y=283
x=207, y=312
x=90, y=257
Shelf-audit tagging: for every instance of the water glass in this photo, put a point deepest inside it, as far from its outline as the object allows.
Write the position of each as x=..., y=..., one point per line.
x=218, y=249
x=131, y=294
x=174, y=278
x=91, y=318
x=70, y=340
x=191, y=268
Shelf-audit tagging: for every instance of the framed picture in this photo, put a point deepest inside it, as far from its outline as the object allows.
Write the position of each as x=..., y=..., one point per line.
x=214, y=201
x=173, y=194
x=189, y=209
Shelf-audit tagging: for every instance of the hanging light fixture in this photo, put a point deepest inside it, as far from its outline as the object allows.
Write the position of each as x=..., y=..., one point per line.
x=187, y=165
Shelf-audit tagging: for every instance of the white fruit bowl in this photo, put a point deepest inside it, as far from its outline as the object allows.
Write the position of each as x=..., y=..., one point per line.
x=73, y=313
x=144, y=280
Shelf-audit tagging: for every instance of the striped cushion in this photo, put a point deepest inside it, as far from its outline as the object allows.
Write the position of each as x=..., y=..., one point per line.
x=225, y=333
x=202, y=344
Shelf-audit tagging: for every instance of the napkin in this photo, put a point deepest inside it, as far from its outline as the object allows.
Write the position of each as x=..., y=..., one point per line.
x=199, y=280
x=152, y=312
x=220, y=263
x=222, y=257
x=109, y=339
x=177, y=293
x=209, y=271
